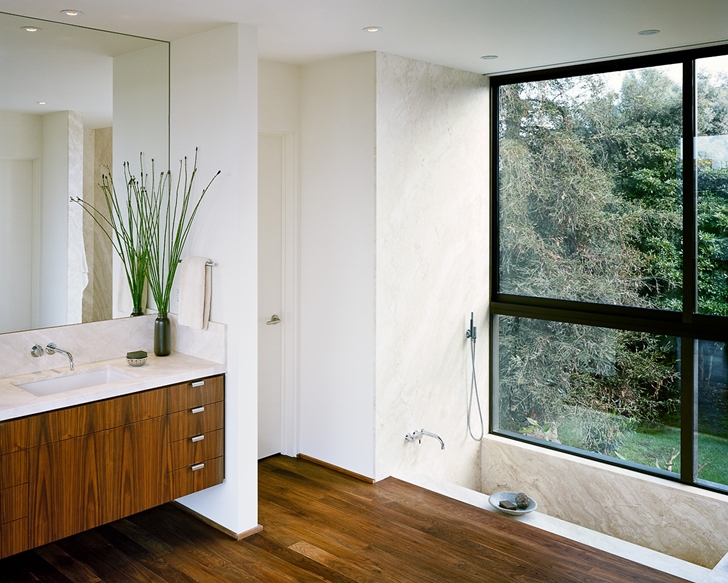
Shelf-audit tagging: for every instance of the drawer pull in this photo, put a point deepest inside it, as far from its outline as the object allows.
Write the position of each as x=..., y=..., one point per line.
x=197, y=467
x=197, y=410
x=197, y=438
x=199, y=384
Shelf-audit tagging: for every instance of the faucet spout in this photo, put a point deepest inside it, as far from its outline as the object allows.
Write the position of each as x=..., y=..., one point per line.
x=52, y=349
x=418, y=433
x=442, y=443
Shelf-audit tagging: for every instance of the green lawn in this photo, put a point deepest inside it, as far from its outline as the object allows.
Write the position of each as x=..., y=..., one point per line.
x=646, y=445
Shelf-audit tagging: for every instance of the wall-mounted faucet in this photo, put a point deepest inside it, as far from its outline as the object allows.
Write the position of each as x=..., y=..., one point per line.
x=52, y=349
x=418, y=433
x=37, y=350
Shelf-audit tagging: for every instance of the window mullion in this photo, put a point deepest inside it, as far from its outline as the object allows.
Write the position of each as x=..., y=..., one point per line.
x=494, y=188
x=688, y=410
x=690, y=199
x=689, y=350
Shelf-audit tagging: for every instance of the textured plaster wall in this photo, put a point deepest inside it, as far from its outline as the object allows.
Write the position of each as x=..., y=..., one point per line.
x=77, y=269
x=431, y=268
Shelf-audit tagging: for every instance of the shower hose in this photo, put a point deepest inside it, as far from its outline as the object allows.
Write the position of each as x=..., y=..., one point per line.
x=474, y=391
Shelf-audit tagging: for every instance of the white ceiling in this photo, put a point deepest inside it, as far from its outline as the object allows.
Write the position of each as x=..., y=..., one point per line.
x=455, y=33
x=525, y=34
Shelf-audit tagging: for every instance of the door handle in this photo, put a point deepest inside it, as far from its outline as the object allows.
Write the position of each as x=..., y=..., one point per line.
x=274, y=319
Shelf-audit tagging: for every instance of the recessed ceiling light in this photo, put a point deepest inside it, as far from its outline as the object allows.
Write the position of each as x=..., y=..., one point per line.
x=372, y=28
x=69, y=12
x=489, y=57
x=31, y=28
x=41, y=102
x=648, y=32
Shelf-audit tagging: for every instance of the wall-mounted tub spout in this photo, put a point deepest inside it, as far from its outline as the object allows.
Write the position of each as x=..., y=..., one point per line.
x=418, y=433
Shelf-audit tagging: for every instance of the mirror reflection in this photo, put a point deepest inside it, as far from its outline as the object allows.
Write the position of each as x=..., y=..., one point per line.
x=73, y=101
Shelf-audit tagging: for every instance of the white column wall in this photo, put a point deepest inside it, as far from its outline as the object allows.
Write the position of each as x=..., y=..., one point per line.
x=337, y=248
x=54, y=220
x=432, y=265
x=214, y=106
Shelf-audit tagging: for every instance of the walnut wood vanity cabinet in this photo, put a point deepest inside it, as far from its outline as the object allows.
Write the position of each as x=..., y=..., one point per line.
x=72, y=469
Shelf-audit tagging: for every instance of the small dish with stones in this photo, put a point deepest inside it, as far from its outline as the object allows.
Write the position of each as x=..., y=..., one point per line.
x=506, y=502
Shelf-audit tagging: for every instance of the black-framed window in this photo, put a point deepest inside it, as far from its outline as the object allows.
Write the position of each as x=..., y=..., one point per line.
x=609, y=264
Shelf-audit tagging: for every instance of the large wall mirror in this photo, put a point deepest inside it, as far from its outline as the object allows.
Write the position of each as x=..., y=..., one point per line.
x=74, y=101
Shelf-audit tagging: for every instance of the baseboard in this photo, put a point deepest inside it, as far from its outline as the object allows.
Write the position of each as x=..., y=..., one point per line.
x=313, y=460
x=216, y=526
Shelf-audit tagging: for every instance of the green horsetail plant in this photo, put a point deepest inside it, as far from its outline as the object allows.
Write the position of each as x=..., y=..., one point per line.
x=124, y=226
x=168, y=220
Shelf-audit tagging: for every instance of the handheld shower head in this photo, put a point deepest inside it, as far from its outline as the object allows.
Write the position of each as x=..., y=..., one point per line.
x=472, y=331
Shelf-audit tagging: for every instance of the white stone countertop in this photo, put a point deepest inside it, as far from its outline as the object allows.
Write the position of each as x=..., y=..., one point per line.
x=157, y=372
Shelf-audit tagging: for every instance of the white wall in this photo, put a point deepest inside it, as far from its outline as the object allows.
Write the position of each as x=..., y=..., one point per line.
x=214, y=93
x=337, y=247
x=432, y=265
x=20, y=135
x=279, y=106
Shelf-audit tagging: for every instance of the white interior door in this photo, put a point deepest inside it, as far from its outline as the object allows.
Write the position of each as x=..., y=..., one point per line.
x=270, y=293
x=16, y=244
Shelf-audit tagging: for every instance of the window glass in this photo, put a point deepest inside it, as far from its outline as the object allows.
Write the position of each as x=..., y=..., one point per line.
x=712, y=169
x=712, y=463
x=610, y=392
x=590, y=188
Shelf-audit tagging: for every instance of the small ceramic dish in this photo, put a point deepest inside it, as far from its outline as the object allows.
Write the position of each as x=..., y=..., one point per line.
x=137, y=358
x=511, y=497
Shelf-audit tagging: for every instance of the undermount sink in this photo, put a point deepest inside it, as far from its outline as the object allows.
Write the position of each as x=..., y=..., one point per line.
x=73, y=381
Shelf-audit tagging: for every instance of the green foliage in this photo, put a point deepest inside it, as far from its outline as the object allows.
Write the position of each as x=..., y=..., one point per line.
x=590, y=210
x=713, y=241
x=596, y=431
x=168, y=221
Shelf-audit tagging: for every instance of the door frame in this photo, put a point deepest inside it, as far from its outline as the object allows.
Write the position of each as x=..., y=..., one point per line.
x=290, y=293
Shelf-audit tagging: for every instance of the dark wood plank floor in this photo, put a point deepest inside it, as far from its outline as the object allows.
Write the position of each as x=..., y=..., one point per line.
x=320, y=525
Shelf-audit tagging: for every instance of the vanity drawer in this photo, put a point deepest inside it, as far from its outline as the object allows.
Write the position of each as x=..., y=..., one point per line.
x=13, y=503
x=98, y=416
x=13, y=469
x=53, y=426
x=196, y=421
x=196, y=449
x=197, y=477
x=13, y=435
x=195, y=393
x=13, y=537
x=125, y=410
